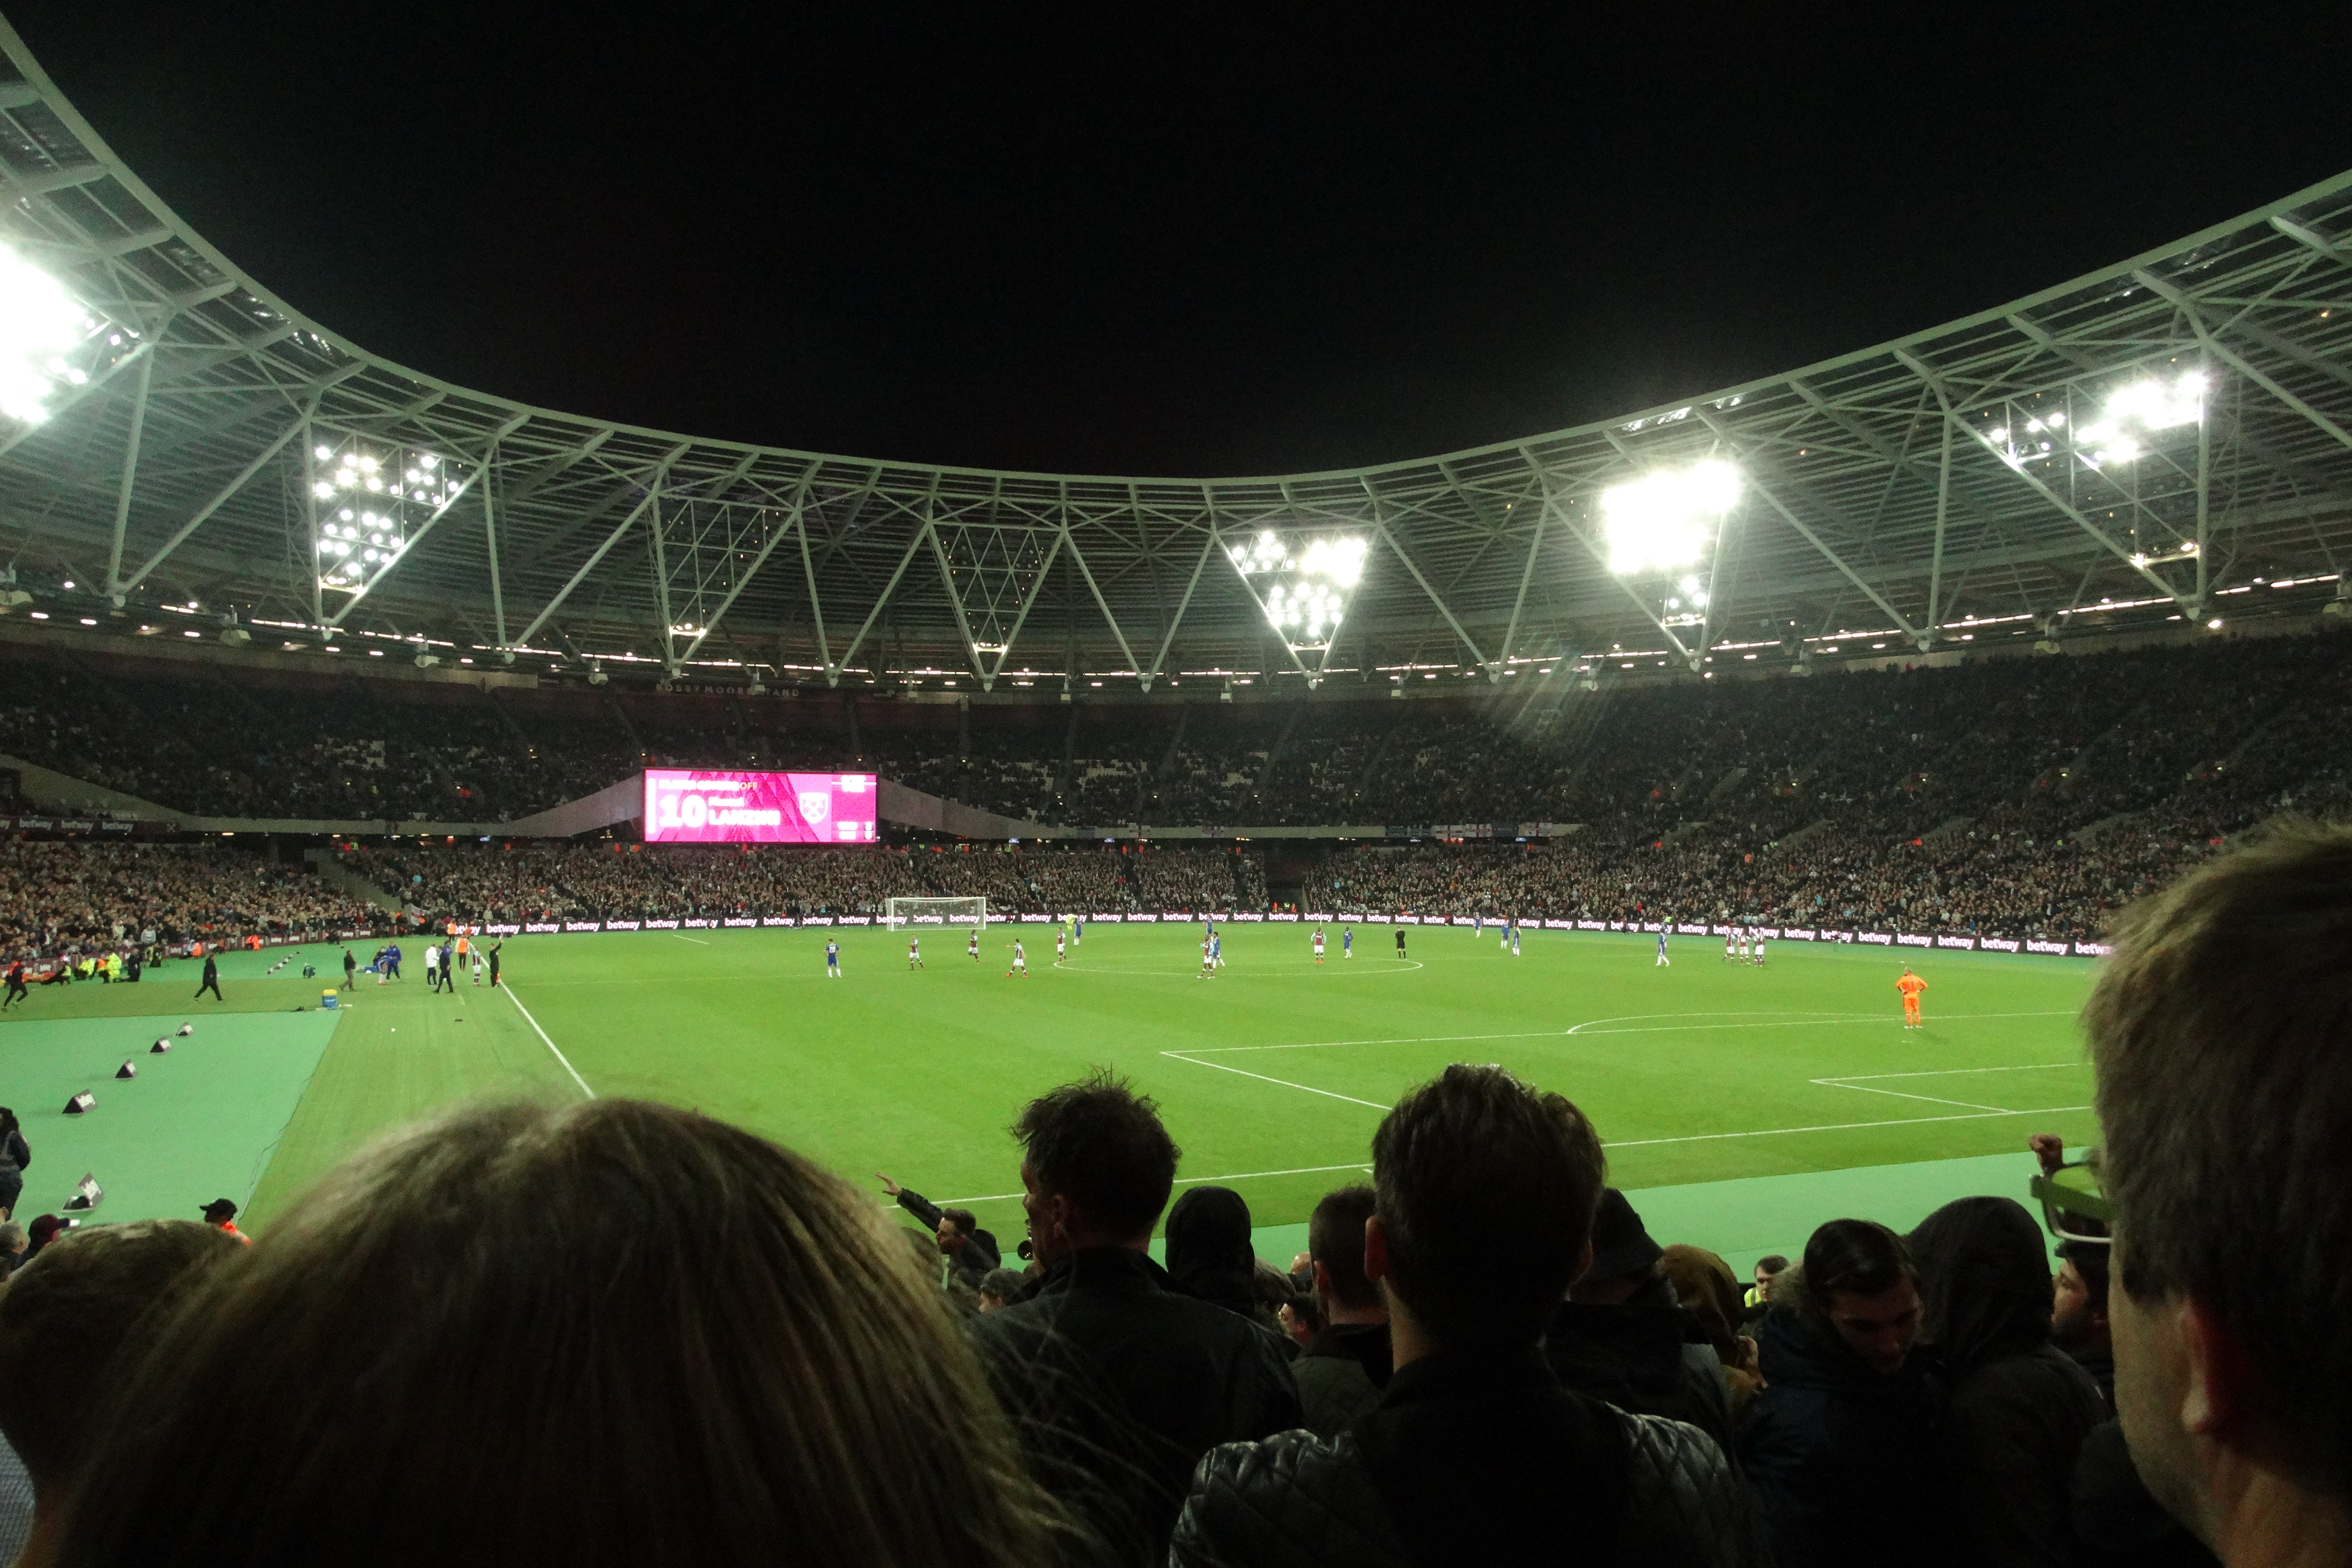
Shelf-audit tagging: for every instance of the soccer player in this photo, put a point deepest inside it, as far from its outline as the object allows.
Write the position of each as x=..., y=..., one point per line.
x=1020, y=961
x=1077, y=932
x=1318, y=944
x=831, y=959
x=494, y=964
x=1664, y=962
x=17, y=989
x=1477, y=922
x=1061, y=943
x=1730, y=944
x=1515, y=939
x=914, y=952
x=1217, y=951
x=973, y=946
x=1400, y=934
x=1347, y=942
x=1208, y=959
x=1911, y=985
x=1756, y=948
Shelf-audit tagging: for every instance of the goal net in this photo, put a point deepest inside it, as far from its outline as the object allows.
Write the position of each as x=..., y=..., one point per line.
x=901, y=913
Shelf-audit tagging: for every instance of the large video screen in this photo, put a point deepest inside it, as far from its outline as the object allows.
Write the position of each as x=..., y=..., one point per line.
x=687, y=805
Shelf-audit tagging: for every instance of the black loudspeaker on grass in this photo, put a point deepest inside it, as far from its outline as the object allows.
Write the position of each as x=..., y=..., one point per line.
x=80, y=1103
x=159, y=1047
x=128, y=1070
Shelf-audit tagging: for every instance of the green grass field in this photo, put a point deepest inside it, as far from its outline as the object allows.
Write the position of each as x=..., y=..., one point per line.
x=1773, y=1091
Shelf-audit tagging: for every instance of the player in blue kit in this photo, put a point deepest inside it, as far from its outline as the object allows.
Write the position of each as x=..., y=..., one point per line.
x=1347, y=942
x=831, y=959
x=1664, y=962
x=1216, y=952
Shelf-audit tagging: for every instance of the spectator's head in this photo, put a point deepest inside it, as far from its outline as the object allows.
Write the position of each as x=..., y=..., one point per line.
x=1335, y=1246
x=956, y=1226
x=681, y=1341
x=1984, y=1277
x=2078, y=1320
x=1471, y=1167
x=1709, y=1291
x=1858, y=1281
x=43, y=1231
x=1096, y=1166
x=1625, y=1258
x=71, y=1321
x=13, y=1240
x=1768, y=1267
x=999, y=1288
x=2222, y=1030
x=1208, y=1248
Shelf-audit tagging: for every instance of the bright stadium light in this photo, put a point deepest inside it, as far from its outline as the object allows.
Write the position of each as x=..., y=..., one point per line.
x=1667, y=519
x=1307, y=592
x=2137, y=410
x=362, y=523
x=40, y=326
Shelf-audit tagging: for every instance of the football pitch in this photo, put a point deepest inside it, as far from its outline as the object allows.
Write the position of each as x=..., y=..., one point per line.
x=1782, y=1088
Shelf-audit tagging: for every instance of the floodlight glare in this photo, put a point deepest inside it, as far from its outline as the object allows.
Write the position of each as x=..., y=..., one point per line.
x=2145, y=406
x=1307, y=596
x=1663, y=520
x=39, y=323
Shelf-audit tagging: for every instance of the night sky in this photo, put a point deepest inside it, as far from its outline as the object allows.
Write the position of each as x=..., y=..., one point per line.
x=1188, y=242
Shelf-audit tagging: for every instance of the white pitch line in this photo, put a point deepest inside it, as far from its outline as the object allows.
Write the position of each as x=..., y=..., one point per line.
x=1285, y=1082
x=1835, y=1127
x=1898, y=1094
x=550, y=1044
x=1190, y=1181
x=696, y=939
x=1948, y=1072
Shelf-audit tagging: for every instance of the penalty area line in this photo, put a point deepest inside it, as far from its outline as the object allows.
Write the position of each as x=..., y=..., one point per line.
x=550, y=1044
x=1285, y=1082
x=1835, y=1127
x=696, y=939
x=1188, y=1181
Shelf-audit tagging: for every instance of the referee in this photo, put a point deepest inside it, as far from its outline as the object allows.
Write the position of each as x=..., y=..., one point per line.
x=1400, y=934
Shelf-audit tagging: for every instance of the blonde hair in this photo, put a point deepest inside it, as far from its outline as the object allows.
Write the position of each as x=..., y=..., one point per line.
x=617, y=1333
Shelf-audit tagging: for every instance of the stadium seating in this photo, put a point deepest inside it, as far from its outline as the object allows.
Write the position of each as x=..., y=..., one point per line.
x=2010, y=797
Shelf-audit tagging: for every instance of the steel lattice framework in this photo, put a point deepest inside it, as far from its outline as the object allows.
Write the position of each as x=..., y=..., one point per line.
x=1906, y=492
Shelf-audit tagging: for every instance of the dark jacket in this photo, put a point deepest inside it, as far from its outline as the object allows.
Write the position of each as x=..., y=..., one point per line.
x=1471, y=1459
x=2017, y=1426
x=979, y=1253
x=15, y=1152
x=2099, y=1362
x=1119, y=1385
x=1340, y=1373
x=1842, y=1460
x=1648, y=1356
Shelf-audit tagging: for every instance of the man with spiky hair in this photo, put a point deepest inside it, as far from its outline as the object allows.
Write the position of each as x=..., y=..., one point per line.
x=1122, y=1382
x=1483, y=1191
x=2222, y=1030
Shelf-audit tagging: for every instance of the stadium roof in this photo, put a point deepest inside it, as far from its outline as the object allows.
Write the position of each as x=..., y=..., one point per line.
x=2149, y=443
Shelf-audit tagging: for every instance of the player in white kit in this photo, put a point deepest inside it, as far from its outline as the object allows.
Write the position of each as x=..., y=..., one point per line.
x=1757, y=950
x=914, y=953
x=1061, y=943
x=1020, y=961
x=1730, y=945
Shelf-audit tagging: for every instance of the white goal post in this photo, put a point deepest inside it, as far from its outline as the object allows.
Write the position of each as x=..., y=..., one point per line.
x=900, y=914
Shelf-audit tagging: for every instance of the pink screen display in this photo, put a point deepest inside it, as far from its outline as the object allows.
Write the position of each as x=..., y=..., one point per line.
x=689, y=806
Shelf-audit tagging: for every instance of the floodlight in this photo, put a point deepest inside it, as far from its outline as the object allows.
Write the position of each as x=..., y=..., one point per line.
x=40, y=324
x=1662, y=522
x=2146, y=406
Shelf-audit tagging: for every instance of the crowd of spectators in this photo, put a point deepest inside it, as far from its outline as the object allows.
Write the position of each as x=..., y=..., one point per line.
x=1481, y=1356
x=619, y=880
x=82, y=897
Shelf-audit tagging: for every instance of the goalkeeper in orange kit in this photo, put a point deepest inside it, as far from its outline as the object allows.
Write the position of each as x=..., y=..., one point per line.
x=1911, y=985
